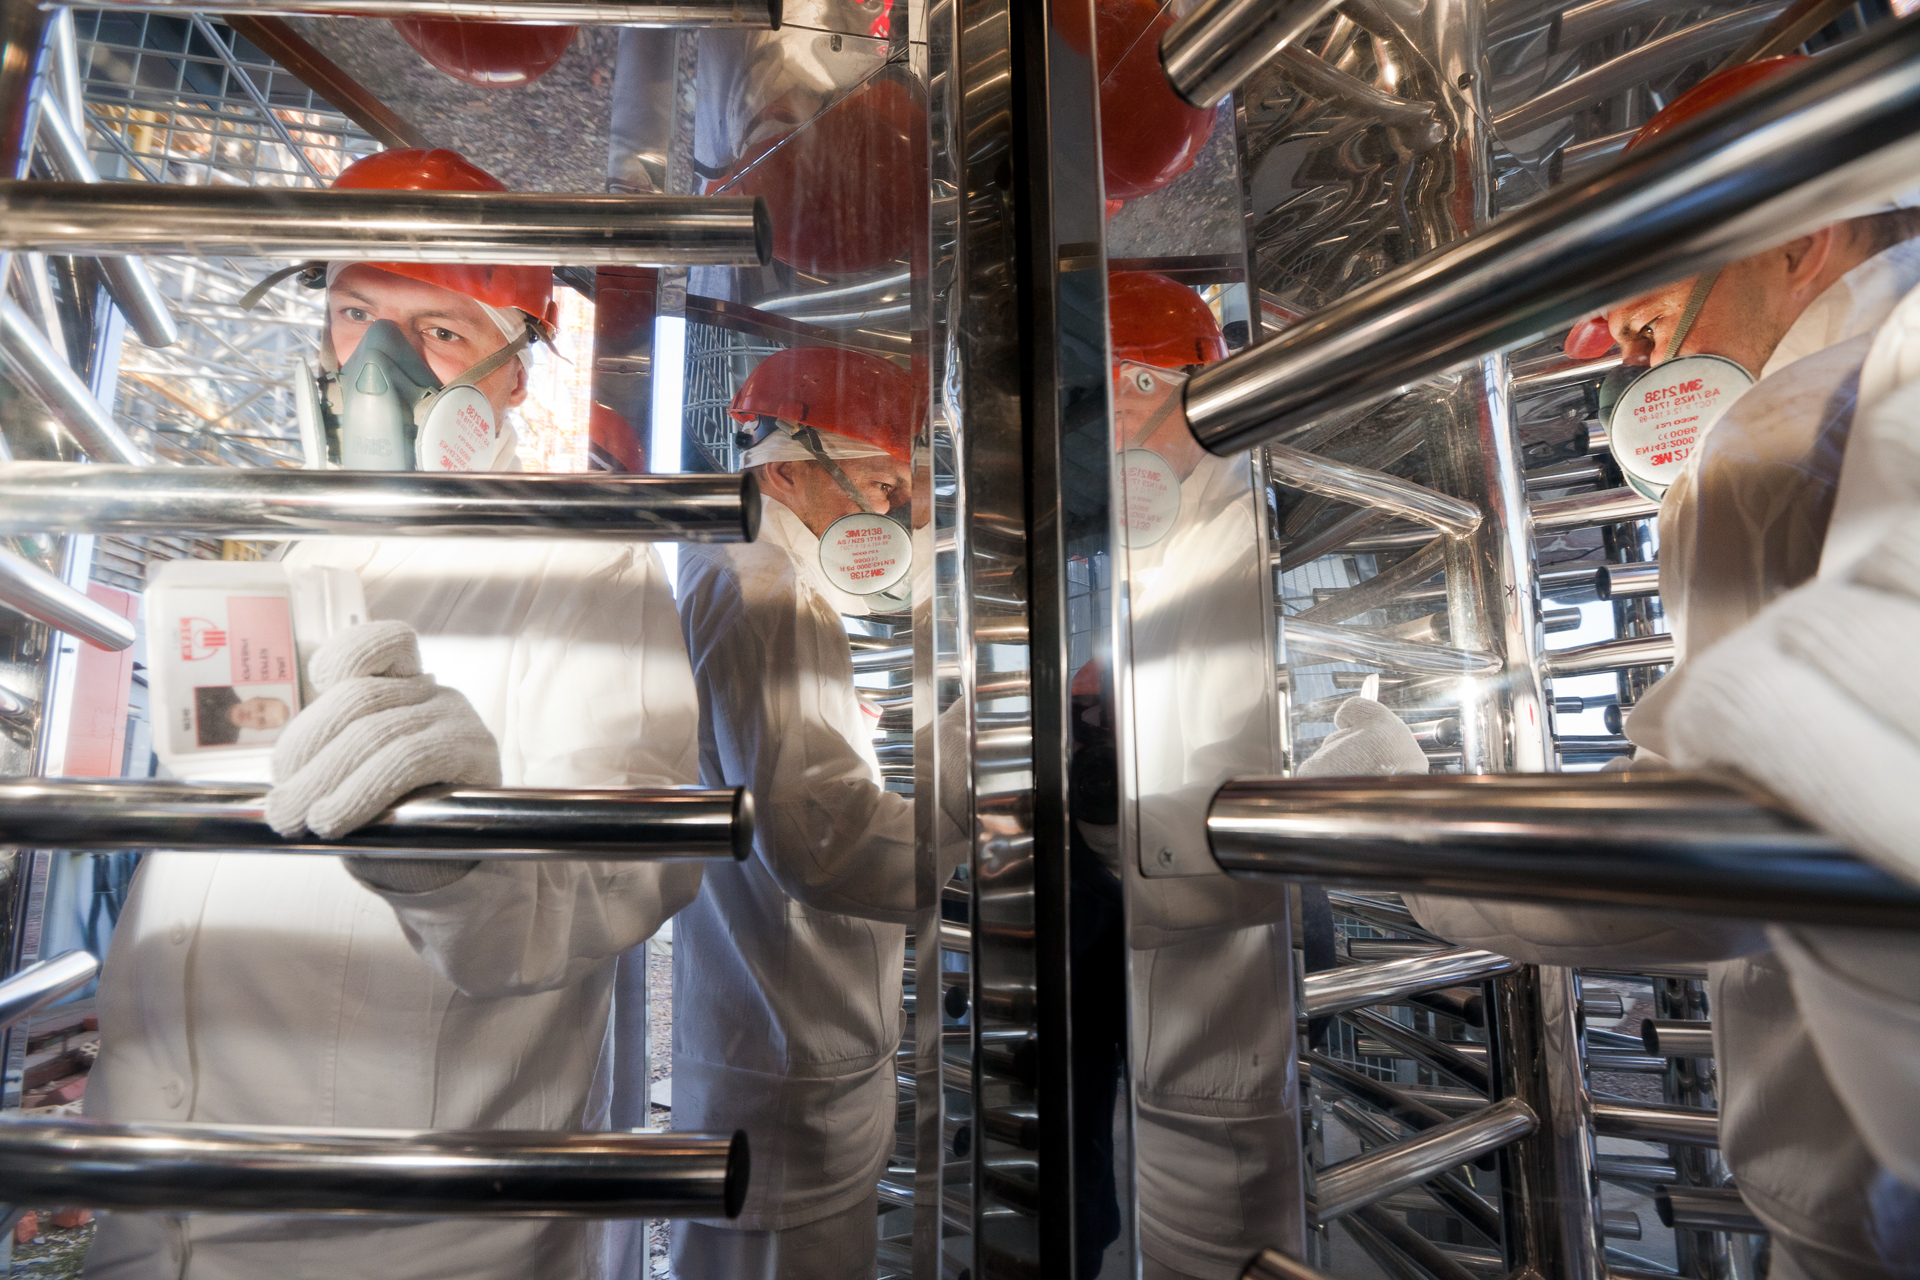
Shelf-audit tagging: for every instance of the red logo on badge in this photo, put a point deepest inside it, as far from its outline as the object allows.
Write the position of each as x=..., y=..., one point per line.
x=200, y=639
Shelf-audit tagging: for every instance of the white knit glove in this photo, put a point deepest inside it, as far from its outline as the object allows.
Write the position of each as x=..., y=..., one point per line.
x=378, y=730
x=1818, y=699
x=1368, y=741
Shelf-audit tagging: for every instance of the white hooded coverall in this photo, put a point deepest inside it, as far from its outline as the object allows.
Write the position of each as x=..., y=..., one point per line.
x=278, y=989
x=1741, y=526
x=796, y=953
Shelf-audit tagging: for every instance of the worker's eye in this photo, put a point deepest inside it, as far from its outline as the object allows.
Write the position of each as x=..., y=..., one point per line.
x=355, y=314
x=443, y=335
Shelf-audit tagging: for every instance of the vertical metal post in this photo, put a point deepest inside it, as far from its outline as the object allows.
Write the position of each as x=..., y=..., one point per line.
x=1029, y=341
x=23, y=43
x=626, y=303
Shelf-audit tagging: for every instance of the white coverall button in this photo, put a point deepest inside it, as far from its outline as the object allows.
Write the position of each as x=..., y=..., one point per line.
x=178, y=933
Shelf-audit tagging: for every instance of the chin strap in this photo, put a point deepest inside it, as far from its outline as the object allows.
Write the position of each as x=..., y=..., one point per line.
x=1691, y=312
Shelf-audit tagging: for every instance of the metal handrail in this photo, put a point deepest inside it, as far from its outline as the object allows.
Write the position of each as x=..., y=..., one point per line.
x=260, y=1169
x=385, y=226
x=1207, y=53
x=1608, y=655
x=1781, y=158
x=29, y=589
x=42, y=371
x=1341, y=1188
x=511, y=825
x=1673, y=842
x=626, y=13
x=278, y=503
x=39, y=985
x=1355, y=986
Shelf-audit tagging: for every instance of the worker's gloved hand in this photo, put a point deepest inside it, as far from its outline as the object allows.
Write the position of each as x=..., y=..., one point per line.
x=379, y=729
x=1368, y=741
x=1818, y=699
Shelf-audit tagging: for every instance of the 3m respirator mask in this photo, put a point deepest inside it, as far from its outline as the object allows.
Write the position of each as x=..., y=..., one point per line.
x=384, y=409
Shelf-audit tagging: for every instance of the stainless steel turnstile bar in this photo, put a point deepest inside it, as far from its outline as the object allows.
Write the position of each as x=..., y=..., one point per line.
x=1344, y=1187
x=1221, y=42
x=1349, y=644
x=1705, y=1209
x=128, y=279
x=389, y=226
x=271, y=1169
x=26, y=353
x=1585, y=510
x=625, y=13
x=1271, y=1264
x=39, y=985
x=1780, y=159
x=29, y=589
x=1678, y=841
x=1375, y=490
x=37, y=497
x=1671, y=1038
x=1352, y=987
x=1623, y=581
x=1608, y=655
x=514, y=825
x=1657, y=1122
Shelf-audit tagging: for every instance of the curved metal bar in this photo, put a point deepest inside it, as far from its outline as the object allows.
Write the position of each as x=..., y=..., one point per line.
x=1221, y=42
x=39, y=985
x=1375, y=490
x=1358, y=985
x=51, y=497
x=270, y=1169
x=1705, y=1209
x=655, y=824
x=1677, y=841
x=127, y=279
x=1670, y=1038
x=1617, y=75
x=1557, y=373
x=1608, y=655
x=1655, y=1122
x=1585, y=510
x=396, y=226
x=1363, y=1180
x=1346, y=644
x=25, y=351
x=1271, y=1264
x=625, y=13
x=1813, y=143
x=26, y=587
x=1622, y=581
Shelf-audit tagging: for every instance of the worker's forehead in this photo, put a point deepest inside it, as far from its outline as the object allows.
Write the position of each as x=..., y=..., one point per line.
x=389, y=293
x=1662, y=296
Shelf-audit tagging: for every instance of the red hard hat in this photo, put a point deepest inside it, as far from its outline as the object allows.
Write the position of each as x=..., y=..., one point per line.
x=1711, y=92
x=491, y=55
x=848, y=393
x=1160, y=322
x=528, y=288
x=1148, y=135
x=844, y=188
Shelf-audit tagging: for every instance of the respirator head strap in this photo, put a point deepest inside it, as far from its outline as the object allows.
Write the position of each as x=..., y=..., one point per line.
x=312, y=274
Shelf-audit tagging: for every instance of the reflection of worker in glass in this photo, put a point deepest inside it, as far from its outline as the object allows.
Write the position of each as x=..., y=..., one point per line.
x=412, y=994
x=788, y=965
x=219, y=714
x=1743, y=522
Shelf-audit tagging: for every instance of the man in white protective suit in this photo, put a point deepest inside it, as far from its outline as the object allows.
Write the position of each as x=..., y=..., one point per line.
x=788, y=965
x=412, y=994
x=1215, y=1096
x=1741, y=523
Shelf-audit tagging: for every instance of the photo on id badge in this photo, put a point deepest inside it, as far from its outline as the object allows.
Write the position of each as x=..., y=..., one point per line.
x=236, y=654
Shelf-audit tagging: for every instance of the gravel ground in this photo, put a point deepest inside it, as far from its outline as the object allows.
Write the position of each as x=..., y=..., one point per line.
x=550, y=135
x=56, y=1255
x=660, y=1043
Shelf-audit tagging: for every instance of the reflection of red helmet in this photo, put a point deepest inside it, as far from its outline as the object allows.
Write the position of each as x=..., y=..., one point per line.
x=848, y=393
x=528, y=288
x=1711, y=92
x=490, y=55
x=1160, y=322
x=1148, y=135
x=844, y=188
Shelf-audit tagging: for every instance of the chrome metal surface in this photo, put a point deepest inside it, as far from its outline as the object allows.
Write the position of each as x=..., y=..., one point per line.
x=1653, y=1122
x=1372, y=489
x=43, y=982
x=1692, y=841
x=1219, y=43
x=27, y=588
x=1557, y=373
x=625, y=13
x=1584, y=510
x=398, y=226
x=1342, y=644
x=43, y=372
x=1271, y=1264
x=23, y=48
x=1706, y=1209
x=1436, y=1054
x=1673, y=1039
x=1342, y=1188
x=1642, y=1169
x=1831, y=135
x=1363, y=984
x=1624, y=581
x=513, y=825
x=236, y=503
x=1609, y=655
x=493, y=1172
x=127, y=278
